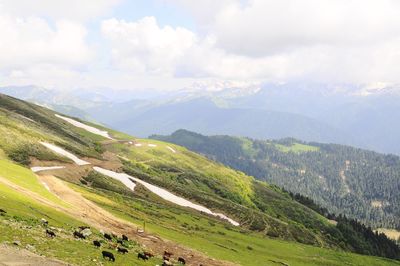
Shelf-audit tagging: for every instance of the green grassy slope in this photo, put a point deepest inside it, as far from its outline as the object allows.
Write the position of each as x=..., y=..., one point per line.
x=215, y=238
x=23, y=125
x=267, y=214
x=25, y=178
x=22, y=222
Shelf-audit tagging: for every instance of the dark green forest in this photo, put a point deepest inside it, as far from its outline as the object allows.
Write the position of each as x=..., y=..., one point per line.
x=347, y=181
x=353, y=234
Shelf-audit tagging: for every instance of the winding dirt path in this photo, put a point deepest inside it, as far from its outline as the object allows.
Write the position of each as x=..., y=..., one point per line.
x=12, y=256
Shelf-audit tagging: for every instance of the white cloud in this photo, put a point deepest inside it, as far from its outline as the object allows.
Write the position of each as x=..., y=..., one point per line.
x=58, y=9
x=316, y=40
x=36, y=50
x=32, y=41
x=263, y=27
x=143, y=46
x=355, y=41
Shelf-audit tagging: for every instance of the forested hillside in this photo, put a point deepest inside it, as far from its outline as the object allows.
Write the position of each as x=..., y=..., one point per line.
x=358, y=183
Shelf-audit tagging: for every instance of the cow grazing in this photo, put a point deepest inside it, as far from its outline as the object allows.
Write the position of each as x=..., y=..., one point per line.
x=79, y=235
x=148, y=254
x=168, y=254
x=108, y=237
x=112, y=246
x=125, y=238
x=122, y=250
x=142, y=256
x=120, y=241
x=182, y=260
x=108, y=255
x=50, y=233
x=96, y=243
x=3, y=211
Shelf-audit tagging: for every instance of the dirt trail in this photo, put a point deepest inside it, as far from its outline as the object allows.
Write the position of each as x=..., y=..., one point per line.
x=12, y=256
x=97, y=217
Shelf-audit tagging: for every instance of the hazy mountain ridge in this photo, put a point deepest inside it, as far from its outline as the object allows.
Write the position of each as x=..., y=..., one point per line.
x=362, y=116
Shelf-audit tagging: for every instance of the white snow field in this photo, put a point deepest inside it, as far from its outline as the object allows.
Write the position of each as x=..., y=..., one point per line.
x=45, y=168
x=85, y=127
x=63, y=152
x=124, y=178
x=163, y=193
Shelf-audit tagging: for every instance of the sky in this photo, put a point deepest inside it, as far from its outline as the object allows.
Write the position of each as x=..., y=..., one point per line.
x=174, y=44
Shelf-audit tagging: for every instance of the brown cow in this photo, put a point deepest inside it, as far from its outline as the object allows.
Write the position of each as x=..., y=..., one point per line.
x=148, y=254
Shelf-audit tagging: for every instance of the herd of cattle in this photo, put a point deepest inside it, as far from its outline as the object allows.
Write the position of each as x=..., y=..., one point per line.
x=118, y=246
x=79, y=233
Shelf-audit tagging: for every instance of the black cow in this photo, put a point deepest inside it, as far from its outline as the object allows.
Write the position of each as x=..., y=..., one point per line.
x=2, y=212
x=107, y=236
x=181, y=260
x=125, y=238
x=50, y=233
x=96, y=243
x=148, y=254
x=119, y=241
x=79, y=235
x=108, y=255
x=122, y=250
x=142, y=256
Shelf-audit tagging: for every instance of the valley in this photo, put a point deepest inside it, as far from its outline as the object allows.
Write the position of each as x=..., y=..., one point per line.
x=272, y=228
x=344, y=180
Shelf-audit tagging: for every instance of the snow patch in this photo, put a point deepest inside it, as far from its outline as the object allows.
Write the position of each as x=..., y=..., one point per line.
x=123, y=178
x=63, y=152
x=166, y=195
x=45, y=168
x=85, y=127
x=171, y=149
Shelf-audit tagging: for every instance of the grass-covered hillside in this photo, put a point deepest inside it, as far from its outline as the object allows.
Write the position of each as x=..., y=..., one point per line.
x=358, y=183
x=274, y=228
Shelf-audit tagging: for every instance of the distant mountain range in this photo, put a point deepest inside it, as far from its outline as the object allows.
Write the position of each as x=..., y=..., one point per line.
x=353, y=115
